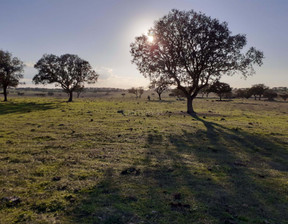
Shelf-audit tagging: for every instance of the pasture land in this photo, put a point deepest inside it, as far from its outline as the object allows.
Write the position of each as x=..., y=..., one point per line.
x=126, y=160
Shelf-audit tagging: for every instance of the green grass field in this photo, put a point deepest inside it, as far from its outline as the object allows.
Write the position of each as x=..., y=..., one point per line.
x=123, y=160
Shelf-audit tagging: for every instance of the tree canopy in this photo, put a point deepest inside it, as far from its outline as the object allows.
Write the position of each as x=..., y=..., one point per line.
x=192, y=50
x=11, y=69
x=270, y=94
x=68, y=71
x=220, y=88
x=244, y=93
x=258, y=90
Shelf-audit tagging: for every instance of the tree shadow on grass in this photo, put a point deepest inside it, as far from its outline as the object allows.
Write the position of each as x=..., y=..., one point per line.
x=243, y=167
x=217, y=175
x=161, y=101
x=105, y=203
x=24, y=107
x=234, y=176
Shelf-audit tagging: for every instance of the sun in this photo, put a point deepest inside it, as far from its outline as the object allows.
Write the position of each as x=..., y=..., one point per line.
x=150, y=38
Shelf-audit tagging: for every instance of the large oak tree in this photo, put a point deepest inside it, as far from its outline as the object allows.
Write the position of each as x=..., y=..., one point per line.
x=192, y=50
x=11, y=69
x=68, y=71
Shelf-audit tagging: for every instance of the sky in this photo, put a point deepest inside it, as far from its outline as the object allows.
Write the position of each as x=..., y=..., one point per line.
x=100, y=31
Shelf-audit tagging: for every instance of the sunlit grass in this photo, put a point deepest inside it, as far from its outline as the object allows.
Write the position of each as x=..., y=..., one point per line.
x=126, y=160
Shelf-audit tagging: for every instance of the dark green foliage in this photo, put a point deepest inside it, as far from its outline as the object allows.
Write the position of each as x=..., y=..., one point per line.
x=244, y=93
x=11, y=69
x=220, y=88
x=258, y=90
x=68, y=71
x=270, y=94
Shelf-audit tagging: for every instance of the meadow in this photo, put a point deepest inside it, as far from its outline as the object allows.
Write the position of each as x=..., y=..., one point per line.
x=124, y=160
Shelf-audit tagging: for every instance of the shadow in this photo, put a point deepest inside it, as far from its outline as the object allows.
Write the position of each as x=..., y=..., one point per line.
x=216, y=175
x=12, y=107
x=112, y=201
x=102, y=203
x=240, y=171
x=259, y=102
x=226, y=100
x=161, y=101
x=282, y=101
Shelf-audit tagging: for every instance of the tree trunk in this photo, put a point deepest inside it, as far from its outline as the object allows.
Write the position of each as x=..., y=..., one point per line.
x=190, y=109
x=5, y=93
x=159, y=94
x=70, y=96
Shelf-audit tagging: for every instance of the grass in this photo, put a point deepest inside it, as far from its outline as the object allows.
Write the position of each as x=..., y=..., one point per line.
x=122, y=160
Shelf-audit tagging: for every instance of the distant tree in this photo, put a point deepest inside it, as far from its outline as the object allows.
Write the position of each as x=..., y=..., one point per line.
x=247, y=93
x=282, y=92
x=205, y=91
x=159, y=86
x=123, y=94
x=137, y=91
x=79, y=91
x=220, y=88
x=140, y=91
x=11, y=69
x=68, y=71
x=284, y=96
x=280, y=89
x=270, y=94
x=243, y=93
x=178, y=93
x=192, y=50
x=133, y=90
x=229, y=95
x=258, y=90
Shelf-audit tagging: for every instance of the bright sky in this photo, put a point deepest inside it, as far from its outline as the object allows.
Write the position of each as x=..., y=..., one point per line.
x=100, y=31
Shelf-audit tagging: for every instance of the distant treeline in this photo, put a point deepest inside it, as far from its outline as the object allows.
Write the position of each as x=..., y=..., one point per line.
x=61, y=90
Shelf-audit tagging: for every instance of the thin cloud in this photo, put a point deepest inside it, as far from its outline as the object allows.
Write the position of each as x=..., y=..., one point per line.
x=104, y=72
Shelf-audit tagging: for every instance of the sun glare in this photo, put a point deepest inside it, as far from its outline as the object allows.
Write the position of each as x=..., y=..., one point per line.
x=150, y=38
